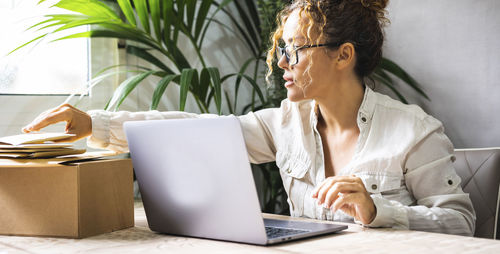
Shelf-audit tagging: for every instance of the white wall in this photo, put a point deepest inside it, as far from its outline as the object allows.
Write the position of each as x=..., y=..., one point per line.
x=452, y=47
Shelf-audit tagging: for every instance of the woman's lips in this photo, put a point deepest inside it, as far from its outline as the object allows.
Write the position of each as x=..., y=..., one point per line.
x=288, y=83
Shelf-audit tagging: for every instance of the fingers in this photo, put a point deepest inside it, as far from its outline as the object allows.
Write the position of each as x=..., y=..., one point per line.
x=349, y=194
x=337, y=188
x=358, y=205
x=51, y=116
x=328, y=191
x=318, y=193
x=28, y=128
x=77, y=122
x=346, y=199
x=316, y=190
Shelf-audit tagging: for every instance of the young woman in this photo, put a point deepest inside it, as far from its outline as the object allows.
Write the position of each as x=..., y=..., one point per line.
x=344, y=151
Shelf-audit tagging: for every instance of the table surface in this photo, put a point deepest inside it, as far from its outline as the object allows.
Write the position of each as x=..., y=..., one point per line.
x=355, y=239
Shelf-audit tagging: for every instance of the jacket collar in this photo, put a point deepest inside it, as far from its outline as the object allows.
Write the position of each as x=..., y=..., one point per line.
x=365, y=111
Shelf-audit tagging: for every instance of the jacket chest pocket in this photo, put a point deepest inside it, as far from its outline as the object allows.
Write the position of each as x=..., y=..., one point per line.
x=292, y=171
x=380, y=183
x=292, y=165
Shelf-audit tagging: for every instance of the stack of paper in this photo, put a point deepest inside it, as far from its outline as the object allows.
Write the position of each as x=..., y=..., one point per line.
x=36, y=145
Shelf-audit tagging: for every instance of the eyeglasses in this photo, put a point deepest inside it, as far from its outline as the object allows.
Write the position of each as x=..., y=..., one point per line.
x=292, y=58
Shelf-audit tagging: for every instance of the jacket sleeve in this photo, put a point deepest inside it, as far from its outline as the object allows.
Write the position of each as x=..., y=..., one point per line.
x=261, y=132
x=440, y=204
x=107, y=130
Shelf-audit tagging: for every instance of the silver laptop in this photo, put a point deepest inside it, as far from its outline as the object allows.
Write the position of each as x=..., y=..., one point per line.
x=195, y=180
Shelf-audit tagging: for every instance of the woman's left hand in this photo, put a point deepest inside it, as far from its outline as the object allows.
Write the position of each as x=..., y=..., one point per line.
x=347, y=193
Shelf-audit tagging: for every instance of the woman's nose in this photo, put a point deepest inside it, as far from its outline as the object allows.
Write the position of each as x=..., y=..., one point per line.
x=282, y=63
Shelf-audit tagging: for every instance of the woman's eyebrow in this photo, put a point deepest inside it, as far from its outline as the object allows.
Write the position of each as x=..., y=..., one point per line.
x=296, y=39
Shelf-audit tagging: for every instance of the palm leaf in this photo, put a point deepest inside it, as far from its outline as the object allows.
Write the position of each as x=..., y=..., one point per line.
x=382, y=73
x=167, y=15
x=160, y=89
x=142, y=12
x=179, y=59
x=58, y=19
x=389, y=85
x=144, y=54
x=95, y=81
x=179, y=18
x=41, y=23
x=202, y=15
x=248, y=39
x=186, y=77
x=237, y=35
x=397, y=71
x=239, y=78
x=27, y=43
x=103, y=70
x=228, y=102
x=92, y=8
x=194, y=86
x=190, y=11
x=205, y=27
x=114, y=26
x=216, y=82
x=110, y=34
x=127, y=10
x=53, y=24
x=249, y=25
x=125, y=88
x=155, y=8
x=251, y=81
x=204, y=84
x=253, y=14
x=83, y=22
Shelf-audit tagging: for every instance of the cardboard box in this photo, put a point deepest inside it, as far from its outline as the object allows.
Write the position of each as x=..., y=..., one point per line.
x=39, y=198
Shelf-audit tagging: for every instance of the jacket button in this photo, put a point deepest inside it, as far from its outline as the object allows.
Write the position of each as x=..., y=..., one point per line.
x=374, y=186
x=288, y=170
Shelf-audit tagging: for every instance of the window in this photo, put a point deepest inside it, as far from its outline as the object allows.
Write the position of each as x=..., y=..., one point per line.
x=35, y=79
x=54, y=68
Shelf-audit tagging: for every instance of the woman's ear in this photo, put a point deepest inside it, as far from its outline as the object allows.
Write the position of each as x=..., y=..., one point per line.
x=346, y=55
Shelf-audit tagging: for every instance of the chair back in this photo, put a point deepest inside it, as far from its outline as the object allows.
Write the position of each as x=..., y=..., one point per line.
x=480, y=173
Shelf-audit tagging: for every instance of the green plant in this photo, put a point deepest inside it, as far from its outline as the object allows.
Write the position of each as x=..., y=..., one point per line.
x=156, y=30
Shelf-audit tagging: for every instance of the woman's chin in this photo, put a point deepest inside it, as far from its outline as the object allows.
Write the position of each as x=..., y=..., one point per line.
x=294, y=95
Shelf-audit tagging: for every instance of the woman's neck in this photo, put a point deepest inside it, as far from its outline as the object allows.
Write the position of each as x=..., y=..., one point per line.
x=338, y=110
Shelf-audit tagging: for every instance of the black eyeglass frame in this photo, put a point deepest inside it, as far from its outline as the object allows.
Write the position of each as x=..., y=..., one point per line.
x=282, y=51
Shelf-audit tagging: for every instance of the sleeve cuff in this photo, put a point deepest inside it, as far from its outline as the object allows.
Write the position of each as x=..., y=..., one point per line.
x=100, y=137
x=390, y=214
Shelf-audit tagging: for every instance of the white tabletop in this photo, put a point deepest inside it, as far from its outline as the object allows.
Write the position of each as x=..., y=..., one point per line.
x=355, y=239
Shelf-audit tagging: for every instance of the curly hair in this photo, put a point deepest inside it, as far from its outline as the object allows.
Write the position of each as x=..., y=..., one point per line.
x=359, y=22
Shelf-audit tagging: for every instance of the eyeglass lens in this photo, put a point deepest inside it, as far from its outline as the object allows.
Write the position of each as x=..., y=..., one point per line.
x=291, y=58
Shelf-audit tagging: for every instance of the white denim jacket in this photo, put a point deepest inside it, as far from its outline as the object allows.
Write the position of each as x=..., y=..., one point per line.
x=402, y=155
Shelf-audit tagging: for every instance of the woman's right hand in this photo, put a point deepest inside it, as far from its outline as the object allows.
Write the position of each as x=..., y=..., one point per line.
x=77, y=122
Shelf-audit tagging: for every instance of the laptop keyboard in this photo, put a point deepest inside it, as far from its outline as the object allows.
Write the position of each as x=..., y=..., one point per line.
x=275, y=232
